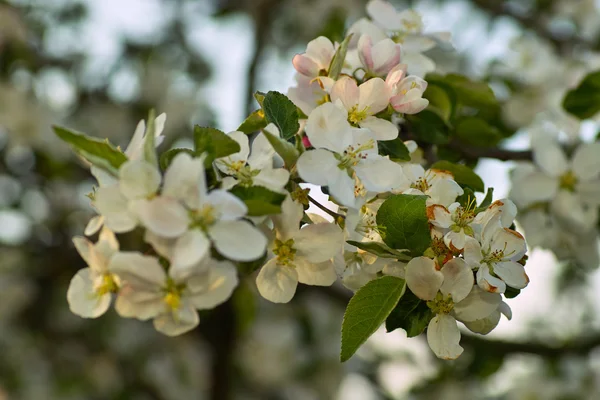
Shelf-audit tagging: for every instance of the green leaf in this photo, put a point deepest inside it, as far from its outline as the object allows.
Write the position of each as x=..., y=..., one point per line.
x=244, y=303
x=169, y=155
x=149, y=140
x=335, y=24
x=442, y=99
x=477, y=132
x=487, y=200
x=337, y=62
x=367, y=310
x=466, y=198
x=463, y=175
x=429, y=127
x=410, y=314
x=282, y=112
x=396, y=149
x=403, y=218
x=98, y=152
x=214, y=143
x=380, y=250
x=511, y=292
x=468, y=92
x=259, y=200
x=584, y=101
x=260, y=98
x=255, y=122
x=285, y=149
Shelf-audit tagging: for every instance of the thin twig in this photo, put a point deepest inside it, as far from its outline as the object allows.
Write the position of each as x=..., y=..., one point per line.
x=325, y=209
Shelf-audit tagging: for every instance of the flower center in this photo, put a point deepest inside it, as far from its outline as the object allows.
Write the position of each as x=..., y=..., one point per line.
x=412, y=86
x=420, y=184
x=355, y=115
x=568, y=181
x=441, y=304
x=284, y=251
x=173, y=292
x=204, y=217
x=106, y=284
x=352, y=155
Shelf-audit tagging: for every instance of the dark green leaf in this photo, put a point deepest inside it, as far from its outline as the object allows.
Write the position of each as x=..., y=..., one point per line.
x=255, y=122
x=244, y=303
x=477, y=132
x=396, y=149
x=380, y=250
x=442, y=99
x=463, y=175
x=169, y=155
x=335, y=24
x=285, y=149
x=584, y=101
x=337, y=63
x=466, y=198
x=429, y=127
x=410, y=314
x=282, y=112
x=468, y=92
x=214, y=143
x=259, y=200
x=367, y=310
x=403, y=218
x=98, y=152
x=511, y=292
x=487, y=200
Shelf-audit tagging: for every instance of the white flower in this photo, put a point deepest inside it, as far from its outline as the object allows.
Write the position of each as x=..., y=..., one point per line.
x=172, y=298
x=361, y=224
x=485, y=325
x=496, y=258
x=455, y=221
x=385, y=15
x=379, y=58
x=300, y=255
x=438, y=185
x=316, y=59
x=406, y=92
x=91, y=289
x=356, y=268
x=310, y=92
x=346, y=159
x=253, y=168
x=571, y=186
x=363, y=102
x=187, y=211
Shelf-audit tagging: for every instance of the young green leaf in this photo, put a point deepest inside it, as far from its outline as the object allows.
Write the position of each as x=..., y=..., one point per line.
x=259, y=200
x=584, y=101
x=380, y=250
x=260, y=97
x=410, y=314
x=285, y=149
x=367, y=310
x=98, y=152
x=282, y=112
x=149, y=140
x=255, y=122
x=337, y=62
x=403, y=218
x=214, y=143
x=463, y=175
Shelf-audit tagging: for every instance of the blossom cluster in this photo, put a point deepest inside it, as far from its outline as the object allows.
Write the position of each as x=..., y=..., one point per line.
x=197, y=229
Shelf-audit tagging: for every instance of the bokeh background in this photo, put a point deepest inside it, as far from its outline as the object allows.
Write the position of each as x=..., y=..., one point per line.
x=98, y=66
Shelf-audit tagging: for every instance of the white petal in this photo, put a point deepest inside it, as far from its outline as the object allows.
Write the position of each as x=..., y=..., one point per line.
x=341, y=188
x=568, y=207
x=134, y=148
x=346, y=91
x=382, y=129
x=177, y=322
x=189, y=249
x=316, y=274
x=586, y=163
x=85, y=248
x=142, y=305
x=138, y=270
x=273, y=179
x=439, y=216
x=94, y=225
x=589, y=192
x=138, y=179
x=111, y=203
x=375, y=95
x=512, y=243
x=395, y=268
x=318, y=242
x=277, y=283
x=238, y=240
x=183, y=179
x=537, y=187
x=380, y=174
x=162, y=245
x=488, y=282
x=477, y=305
x=82, y=298
x=164, y=216
x=222, y=280
x=458, y=279
x=443, y=337
x=226, y=205
x=485, y=325
x=512, y=273
x=288, y=222
x=326, y=125
x=422, y=278
x=262, y=153
x=314, y=166
x=550, y=158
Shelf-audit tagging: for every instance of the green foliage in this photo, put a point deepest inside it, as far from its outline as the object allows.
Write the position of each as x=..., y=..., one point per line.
x=380, y=250
x=150, y=141
x=260, y=98
x=334, y=25
x=463, y=175
x=468, y=92
x=98, y=152
x=403, y=218
x=442, y=99
x=367, y=310
x=244, y=303
x=487, y=200
x=396, y=149
x=282, y=112
x=288, y=152
x=429, y=127
x=511, y=292
x=167, y=157
x=259, y=200
x=477, y=132
x=337, y=63
x=410, y=314
x=584, y=101
x=255, y=122
x=214, y=143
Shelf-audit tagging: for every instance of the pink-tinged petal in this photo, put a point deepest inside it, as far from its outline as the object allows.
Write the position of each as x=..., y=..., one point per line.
x=164, y=216
x=512, y=273
x=423, y=278
x=346, y=91
x=395, y=75
x=365, y=45
x=488, y=282
x=318, y=242
x=586, y=161
x=238, y=240
x=458, y=279
x=443, y=337
x=305, y=65
x=477, y=305
x=321, y=50
x=315, y=274
x=386, y=55
x=314, y=166
x=550, y=158
x=414, y=106
x=382, y=129
x=277, y=283
x=374, y=95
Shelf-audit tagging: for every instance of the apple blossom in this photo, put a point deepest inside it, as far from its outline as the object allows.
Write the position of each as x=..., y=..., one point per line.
x=380, y=57
x=315, y=61
x=406, y=92
x=437, y=184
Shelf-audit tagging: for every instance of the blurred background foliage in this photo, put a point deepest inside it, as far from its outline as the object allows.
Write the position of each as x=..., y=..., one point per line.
x=99, y=65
